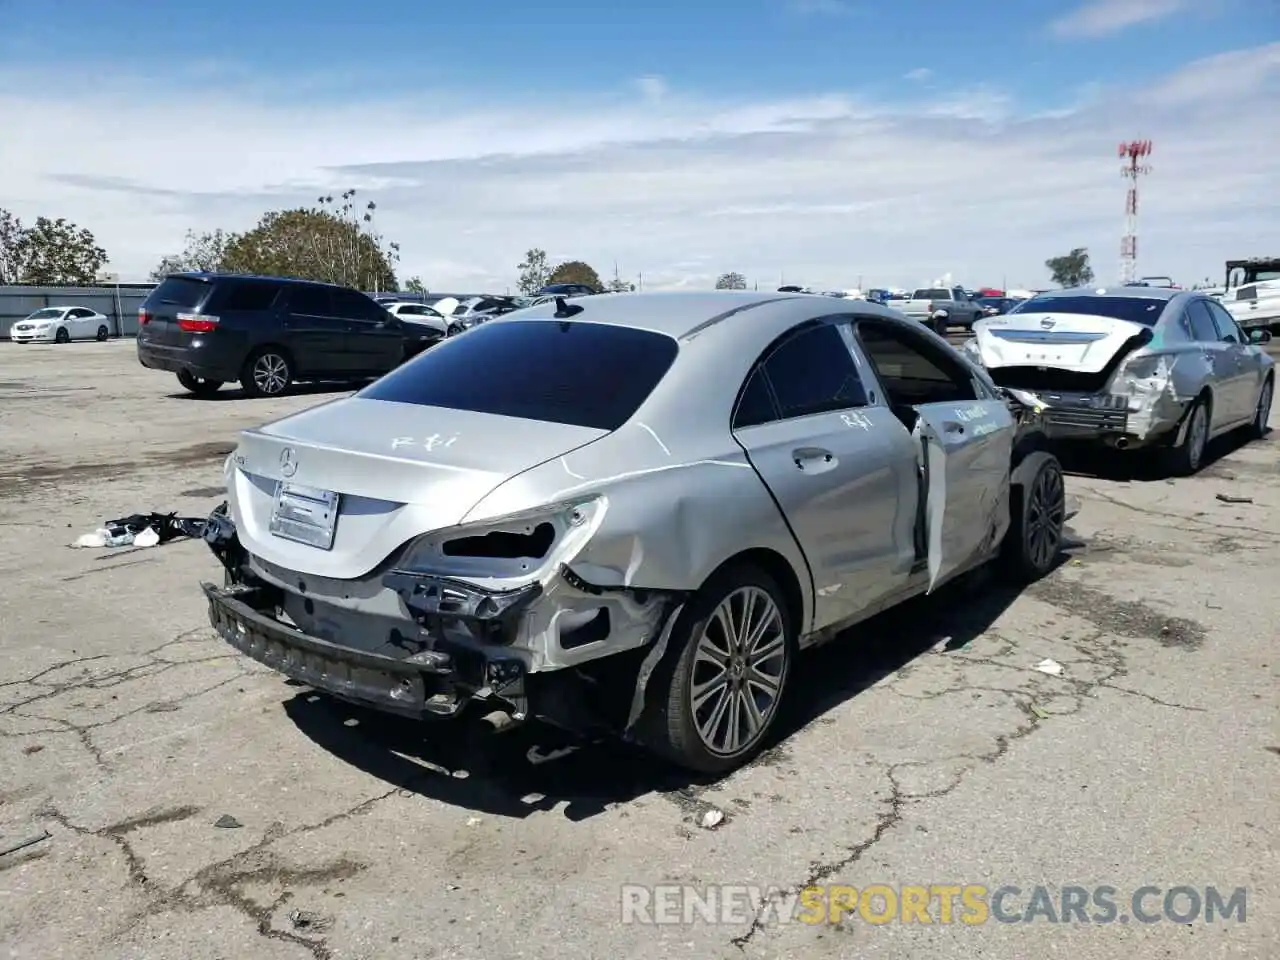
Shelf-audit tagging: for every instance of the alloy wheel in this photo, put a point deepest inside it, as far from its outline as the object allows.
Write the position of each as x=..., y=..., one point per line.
x=739, y=668
x=1263, y=414
x=1197, y=434
x=271, y=373
x=1046, y=513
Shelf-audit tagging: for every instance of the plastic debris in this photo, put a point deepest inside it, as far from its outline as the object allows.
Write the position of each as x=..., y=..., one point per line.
x=147, y=538
x=227, y=822
x=16, y=845
x=1227, y=498
x=712, y=819
x=310, y=921
x=1040, y=712
x=1052, y=667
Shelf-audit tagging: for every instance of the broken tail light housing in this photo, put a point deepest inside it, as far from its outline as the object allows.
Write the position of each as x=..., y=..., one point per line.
x=197, y=323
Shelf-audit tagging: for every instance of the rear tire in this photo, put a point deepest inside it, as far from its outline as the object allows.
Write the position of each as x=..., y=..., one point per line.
x=1039, y=511
x=1184, y=459
x=700, y=717
x=268, y=372
x=103, y=333
x=199, y=385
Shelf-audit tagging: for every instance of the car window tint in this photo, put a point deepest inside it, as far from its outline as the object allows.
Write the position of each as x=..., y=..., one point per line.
x=356, y=306
x=814, y=372
x=247, y=295
x=912, y=369
x=574, y=372
x=756, y=405
x=314, y=301
x=1202, y=328
x=1225, y=324
x=181, y=292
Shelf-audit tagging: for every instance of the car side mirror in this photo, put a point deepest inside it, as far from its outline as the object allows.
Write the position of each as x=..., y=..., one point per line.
x=1259, y=336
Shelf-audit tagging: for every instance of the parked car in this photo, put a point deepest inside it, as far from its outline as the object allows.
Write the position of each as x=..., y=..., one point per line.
x=61, y=325
x=941, y=307
x=476, y=310
x=995, y=306
x=633, y=521
x=1133, y=367
x=569, y=290
x=425, y=316
x=268, y=332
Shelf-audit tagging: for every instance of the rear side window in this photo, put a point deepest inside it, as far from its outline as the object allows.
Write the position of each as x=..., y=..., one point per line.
x=356, y=306
x=585, y=374
x=246, y=295
x=814, y=372
x=312, y=301
x=1202, y=328
x=181, y=292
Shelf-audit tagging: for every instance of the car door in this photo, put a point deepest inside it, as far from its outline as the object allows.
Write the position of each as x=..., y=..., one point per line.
x=1250, y=367
x=839, y=466
x=374, y=338
x=314, y=333
x=964, y=440
x=78, y=323
x=1224, y=363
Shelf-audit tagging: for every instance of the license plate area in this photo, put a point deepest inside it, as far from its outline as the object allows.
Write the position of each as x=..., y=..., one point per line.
x=304, y=515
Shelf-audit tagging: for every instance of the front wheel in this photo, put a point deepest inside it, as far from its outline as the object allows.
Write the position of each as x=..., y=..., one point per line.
x=718, y=693
x=267, y=373
x=62, y=336
x=1039, y=512
x=1262, y=413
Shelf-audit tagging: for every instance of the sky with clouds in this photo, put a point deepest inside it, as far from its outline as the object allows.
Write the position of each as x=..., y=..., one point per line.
x=818, y=142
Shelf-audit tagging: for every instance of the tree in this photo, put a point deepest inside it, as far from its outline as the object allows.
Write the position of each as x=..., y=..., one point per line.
x=533, y=271
x=48, y=252
x=731, y=281
x=202, y=253
x=1072, y=270
x=415, y=285
x=330, y=243
x=575, y=271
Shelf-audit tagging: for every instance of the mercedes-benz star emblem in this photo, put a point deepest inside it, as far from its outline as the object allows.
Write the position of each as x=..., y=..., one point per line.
x=288, y=462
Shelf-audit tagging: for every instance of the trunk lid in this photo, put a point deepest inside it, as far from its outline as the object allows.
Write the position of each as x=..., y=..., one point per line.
x=400, y=470
x=1076, y=343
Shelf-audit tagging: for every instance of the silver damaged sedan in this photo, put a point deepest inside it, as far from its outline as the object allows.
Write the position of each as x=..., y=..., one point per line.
x=626, y=514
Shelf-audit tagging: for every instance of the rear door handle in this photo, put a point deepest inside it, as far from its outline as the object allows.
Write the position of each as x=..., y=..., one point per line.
x=803, y=455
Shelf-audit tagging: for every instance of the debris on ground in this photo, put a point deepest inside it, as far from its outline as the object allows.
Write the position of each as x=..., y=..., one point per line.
x=473, y=821
x=13, y=846
x=227, y=822
x=1052, y=667
x=711, y=819
x=310, y=921
x=1227, y=498
x=1040, y=712
x=143, y=530
x=33, y=748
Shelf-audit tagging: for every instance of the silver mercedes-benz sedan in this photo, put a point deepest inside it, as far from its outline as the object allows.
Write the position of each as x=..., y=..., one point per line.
x=626, y=514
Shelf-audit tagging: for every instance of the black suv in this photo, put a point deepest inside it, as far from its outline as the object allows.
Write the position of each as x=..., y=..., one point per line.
x=268, y=332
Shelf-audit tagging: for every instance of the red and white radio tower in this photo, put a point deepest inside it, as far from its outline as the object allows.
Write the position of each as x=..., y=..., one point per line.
x=1133, y=154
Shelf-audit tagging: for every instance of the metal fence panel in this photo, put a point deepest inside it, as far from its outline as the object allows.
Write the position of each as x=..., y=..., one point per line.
x=119, y=304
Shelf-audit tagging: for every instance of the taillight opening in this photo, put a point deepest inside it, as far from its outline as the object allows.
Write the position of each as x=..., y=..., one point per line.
x=143, y=317
x=197, y=323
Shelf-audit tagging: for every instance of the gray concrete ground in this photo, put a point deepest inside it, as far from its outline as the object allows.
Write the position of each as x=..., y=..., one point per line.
x=925, y=750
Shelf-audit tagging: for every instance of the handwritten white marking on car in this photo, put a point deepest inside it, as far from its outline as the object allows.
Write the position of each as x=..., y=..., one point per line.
x=433, y=442
x=982, y=429
x=658, y=440
x=970, y=414
x=855, y=420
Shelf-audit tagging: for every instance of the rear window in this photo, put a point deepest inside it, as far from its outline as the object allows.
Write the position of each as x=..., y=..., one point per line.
x=1143, y=310
x=584, y=374
x=182, y=292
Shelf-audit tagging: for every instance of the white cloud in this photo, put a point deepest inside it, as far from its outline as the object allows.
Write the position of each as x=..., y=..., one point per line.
x=825, y=189
x=1101, y=18
x=652, y=87
x=919, y=74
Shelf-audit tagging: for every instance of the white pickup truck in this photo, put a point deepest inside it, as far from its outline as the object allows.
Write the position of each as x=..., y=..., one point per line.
x=940, y=307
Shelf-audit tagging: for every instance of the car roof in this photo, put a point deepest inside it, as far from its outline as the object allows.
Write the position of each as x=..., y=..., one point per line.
x=1137, y=293
x=678, y=313
x=207, y=276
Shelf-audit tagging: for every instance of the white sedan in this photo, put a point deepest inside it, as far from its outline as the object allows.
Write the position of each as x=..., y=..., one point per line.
x=61, y=325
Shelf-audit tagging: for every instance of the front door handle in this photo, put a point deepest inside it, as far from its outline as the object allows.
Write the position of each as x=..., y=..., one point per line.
x=811, y=455
x=951, y=426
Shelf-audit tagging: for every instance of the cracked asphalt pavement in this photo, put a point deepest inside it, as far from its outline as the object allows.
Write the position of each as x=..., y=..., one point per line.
x=198, y=806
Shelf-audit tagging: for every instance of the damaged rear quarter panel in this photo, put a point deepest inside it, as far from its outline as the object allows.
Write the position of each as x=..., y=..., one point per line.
x=672, y=518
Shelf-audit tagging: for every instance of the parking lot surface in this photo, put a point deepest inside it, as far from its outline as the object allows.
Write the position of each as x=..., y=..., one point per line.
x=197, y=806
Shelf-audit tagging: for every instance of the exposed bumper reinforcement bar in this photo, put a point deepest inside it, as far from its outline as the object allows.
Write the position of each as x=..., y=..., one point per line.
x=432, y=683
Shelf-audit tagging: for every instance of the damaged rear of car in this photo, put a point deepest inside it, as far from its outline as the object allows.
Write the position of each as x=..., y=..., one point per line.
x=1132, y=367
